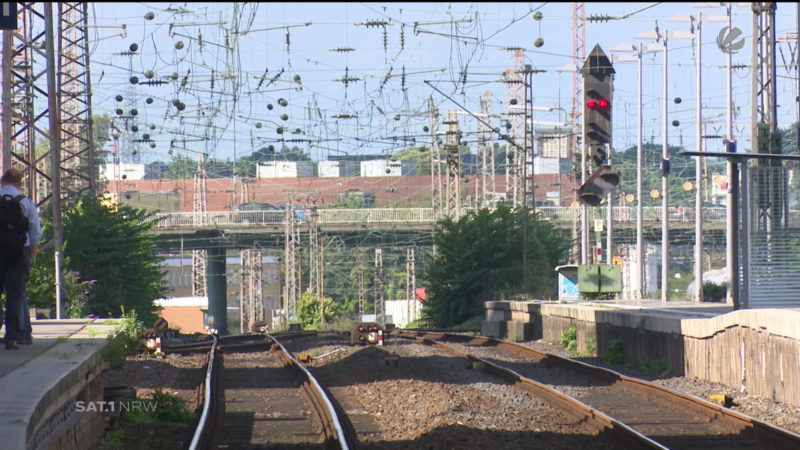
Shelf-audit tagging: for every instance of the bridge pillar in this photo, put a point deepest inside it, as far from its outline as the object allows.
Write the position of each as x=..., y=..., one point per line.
x=216, y=289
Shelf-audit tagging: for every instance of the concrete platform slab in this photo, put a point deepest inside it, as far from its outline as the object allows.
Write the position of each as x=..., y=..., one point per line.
x=40, y=383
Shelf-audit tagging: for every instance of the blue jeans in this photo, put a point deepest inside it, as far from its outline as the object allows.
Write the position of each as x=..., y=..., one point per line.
x=13, y=276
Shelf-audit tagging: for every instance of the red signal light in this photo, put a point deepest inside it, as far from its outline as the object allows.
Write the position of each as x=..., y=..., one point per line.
x=360, y=328
x=374, y=328
x=602, y=103
x=590, y=104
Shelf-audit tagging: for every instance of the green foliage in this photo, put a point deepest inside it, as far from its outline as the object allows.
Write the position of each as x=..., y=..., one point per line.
x=116, y=249
x=655, y=367
x=169, y=408
x=479, y=257
x=308, y=311
x=473, y=323
x=614, y=353
x=569, y=338
x=597, y=295
x=713, y=292
x=126, y=342
x=420, y=154
x=591, y=344
x=417, y=324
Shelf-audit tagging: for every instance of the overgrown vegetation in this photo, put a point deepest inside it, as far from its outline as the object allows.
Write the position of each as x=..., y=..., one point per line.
x=614, y=352
x=713, y=292
x=479, y=258
x=109, y=261
x=569, y=338
x=591, y=344
x=655, y=367
x=160, y=409
x=308, y=311
x=126, y=342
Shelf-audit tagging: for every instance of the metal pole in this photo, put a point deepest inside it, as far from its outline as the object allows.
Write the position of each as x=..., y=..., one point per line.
x=58, y=284
x=731, y=214
x=698, y=201
x=664, y=187
x=609, y=214
x=584, y=210
x=6, y=121
x=639, y=237
x=55, y=129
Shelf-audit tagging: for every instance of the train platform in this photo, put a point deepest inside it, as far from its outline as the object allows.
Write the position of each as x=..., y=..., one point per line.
x=41, y=383
x=754, y=350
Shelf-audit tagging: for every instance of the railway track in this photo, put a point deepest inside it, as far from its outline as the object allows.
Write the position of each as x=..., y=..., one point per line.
x=672, y=419
x=270, y=401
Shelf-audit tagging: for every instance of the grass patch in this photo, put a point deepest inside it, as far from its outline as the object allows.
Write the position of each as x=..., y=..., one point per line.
x=569, y=338
x=163, y=412
x=471, y=324
x=655, y=367
x=591, y=344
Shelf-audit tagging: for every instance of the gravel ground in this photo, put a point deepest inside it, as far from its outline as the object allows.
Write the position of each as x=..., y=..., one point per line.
x=781, y=414
x=431, y=400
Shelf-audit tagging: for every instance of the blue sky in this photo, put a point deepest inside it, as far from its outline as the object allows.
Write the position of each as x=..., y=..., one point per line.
x=434, y=42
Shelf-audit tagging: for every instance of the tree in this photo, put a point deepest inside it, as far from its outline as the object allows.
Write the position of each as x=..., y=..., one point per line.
x=308, y=310
x=420, y=154
x=479, y=257
x=115, y=248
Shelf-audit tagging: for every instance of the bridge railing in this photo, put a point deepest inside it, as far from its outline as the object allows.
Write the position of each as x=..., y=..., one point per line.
x=622, y=214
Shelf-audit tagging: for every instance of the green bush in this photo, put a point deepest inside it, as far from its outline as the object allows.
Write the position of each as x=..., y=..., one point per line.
x=713, y=292
x=569, y=338
x=614, y=353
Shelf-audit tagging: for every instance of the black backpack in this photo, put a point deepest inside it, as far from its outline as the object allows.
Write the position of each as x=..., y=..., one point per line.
x=13, y=227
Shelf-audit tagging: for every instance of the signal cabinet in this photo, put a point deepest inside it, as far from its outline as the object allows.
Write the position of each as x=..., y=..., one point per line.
x=599, y=278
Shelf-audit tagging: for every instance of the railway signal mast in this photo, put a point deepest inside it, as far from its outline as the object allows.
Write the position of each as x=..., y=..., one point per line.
x=597, y=74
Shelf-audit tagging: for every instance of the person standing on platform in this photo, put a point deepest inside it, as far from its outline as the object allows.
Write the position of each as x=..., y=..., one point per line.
x=20, y=232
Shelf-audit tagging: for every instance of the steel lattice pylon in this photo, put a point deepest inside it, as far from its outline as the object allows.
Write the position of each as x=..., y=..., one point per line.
x=769, y=185
x=578, y=57
x=79, y=172
x=411, y=286
x=199, y=206
x=360, y=262
x=452, y=165
x=26, y=112
x=514, y=128
x=485, y=152
x=436, y=163
x=250, y=289
x=377, y=285
x=291, y=239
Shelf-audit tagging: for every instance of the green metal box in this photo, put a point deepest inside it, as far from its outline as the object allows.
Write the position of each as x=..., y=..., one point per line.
x=593, y=278
x=610, y=278
x=588, y=278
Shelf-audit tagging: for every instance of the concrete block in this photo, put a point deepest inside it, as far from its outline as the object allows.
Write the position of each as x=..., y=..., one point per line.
x=498, y=314
x=497, y=304
x=519, y=331
x=493, y=328
x=522, y=316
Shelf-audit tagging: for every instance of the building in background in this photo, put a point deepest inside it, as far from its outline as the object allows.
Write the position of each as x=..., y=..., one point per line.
x=121, y=171
x=187, y=313
x=285, y=169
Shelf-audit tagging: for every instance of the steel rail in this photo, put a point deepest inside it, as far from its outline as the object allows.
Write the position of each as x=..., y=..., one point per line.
x=201, y=430
x=770, y=431
x=345, y=440
x=633, y=438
